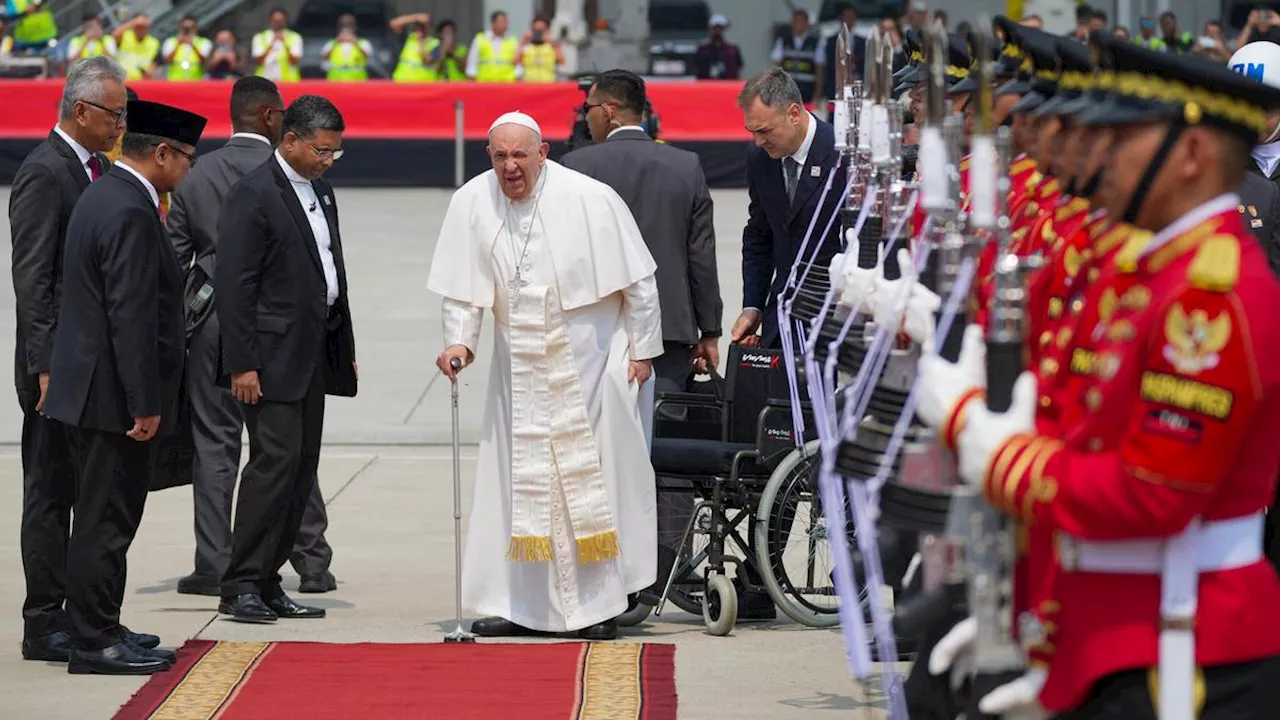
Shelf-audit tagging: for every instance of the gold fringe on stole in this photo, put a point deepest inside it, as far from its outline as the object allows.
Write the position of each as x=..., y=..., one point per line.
x=530, y=548
x=594, y=548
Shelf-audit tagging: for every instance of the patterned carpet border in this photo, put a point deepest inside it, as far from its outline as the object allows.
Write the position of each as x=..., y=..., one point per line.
x=611, y=681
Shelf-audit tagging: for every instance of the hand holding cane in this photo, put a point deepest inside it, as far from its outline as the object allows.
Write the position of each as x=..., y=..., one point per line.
x=458, y=635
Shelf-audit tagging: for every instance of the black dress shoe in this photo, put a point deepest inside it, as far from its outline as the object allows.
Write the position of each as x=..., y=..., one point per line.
x=501, y=627
x=194, y=584
x=119, y=659
x=285, y=607
x=318, y=583
x=50, y=647
x=168, y=656
x=142, y=640
x=247, y=608
x=607, y=630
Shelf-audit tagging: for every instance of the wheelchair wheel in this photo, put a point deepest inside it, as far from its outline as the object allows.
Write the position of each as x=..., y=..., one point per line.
x=790, y=541
x=637, y=612
x=720, y=605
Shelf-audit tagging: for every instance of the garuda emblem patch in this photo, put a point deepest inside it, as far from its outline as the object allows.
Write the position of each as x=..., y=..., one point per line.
x=1193, y=340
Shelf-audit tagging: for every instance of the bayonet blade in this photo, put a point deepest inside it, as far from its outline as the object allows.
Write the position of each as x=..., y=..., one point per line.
x=870, y=74
x=982, y=44
x=934, y=40
x=843, y=68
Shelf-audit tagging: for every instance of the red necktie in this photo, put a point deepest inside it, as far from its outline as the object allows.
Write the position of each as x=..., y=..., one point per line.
x=95, y=168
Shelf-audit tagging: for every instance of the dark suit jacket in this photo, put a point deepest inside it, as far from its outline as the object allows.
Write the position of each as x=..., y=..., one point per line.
x=194, y=207
x=270, y=290
x=120, y=348
x=775, y=228
x=45, y=191
x=1260, y=211
x=667, y=193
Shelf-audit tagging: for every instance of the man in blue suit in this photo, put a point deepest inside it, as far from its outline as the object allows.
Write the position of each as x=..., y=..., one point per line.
x=794, y=154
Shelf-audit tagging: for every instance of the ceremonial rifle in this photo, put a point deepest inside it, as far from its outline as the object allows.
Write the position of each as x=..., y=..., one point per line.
x=989, y=550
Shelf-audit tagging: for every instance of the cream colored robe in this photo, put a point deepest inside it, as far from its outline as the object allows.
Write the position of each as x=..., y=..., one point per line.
x=584, y=243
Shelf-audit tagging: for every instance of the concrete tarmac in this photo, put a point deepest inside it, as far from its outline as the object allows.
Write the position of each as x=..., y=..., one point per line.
x=386, y=473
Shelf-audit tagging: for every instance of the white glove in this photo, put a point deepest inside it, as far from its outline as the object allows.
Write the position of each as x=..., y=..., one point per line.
x=954, y=652
x=1017, y=700
x=920, y=318
x=891, y=295
x=984, y=431
x=835, y=271
x=857, y=284
x=941, y=382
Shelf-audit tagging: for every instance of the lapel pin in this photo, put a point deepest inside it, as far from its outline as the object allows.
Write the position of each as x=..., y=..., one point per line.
x=1253, y=211
x=327, y=201
x=815, y=171
x=1255, y=223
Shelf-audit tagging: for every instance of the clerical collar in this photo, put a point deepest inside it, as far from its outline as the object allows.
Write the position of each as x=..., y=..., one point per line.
x=617, y=130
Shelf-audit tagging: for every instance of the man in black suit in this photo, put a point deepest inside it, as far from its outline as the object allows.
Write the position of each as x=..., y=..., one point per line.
x=116, y=373
x=667, y=193
x=281, y=292
x=217, y=422
x=794, y=154
x=45, y=190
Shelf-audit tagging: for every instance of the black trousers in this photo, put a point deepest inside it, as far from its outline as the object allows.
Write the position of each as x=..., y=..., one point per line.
x=216, y=424
x=275, y=487
x=1245, y=691
x=114, y=478
x=48, y=492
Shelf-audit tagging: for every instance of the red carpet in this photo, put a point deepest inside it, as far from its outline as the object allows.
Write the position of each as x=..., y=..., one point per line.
x=318, y=681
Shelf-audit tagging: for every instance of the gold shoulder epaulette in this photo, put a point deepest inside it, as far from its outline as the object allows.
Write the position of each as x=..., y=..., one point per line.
x=1022, y=165
x=1216, y=266
x=1127, y=256
x=1036, y=178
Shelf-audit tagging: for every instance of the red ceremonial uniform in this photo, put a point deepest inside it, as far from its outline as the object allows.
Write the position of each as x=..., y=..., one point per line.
x=1047, y=287
x=1183, y=397
x=1023, y=177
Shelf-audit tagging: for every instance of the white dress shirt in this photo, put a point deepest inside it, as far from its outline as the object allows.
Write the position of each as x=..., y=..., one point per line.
x=1268, y=157
x=151, y=189
x=252, y=136
x=80, y=151
x=319, y=225
x=624, y=127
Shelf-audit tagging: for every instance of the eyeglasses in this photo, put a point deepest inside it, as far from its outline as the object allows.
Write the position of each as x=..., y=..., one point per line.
x=189, y=156
x=271, y=109
x=325, y=152
x=117, y=115
x=586, y=106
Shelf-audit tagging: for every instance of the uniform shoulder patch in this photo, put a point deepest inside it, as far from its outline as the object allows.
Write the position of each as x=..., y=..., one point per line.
x=1216, y=266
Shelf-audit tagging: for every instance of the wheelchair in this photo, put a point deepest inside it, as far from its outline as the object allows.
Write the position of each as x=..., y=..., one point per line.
x=743, y=467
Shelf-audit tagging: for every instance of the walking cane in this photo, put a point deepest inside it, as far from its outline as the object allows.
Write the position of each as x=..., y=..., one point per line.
x=458, y=635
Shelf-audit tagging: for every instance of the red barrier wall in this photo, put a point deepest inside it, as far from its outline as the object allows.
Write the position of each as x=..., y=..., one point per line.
x=704, y=110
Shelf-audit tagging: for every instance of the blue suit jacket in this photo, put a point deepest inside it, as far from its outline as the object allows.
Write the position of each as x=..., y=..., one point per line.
x=775, y=228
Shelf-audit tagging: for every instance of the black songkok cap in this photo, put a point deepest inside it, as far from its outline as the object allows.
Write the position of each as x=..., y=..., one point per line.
x=1040, y=67
x=1074, y=76
x=165, y=121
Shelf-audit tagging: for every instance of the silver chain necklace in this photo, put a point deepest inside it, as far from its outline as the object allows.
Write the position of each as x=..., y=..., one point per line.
x=518, y=281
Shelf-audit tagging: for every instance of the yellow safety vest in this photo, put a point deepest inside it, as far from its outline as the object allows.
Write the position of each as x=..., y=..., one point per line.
x=411, y=68
x=186, y=64
x=454, y=67
x=495, y=68
x=348, y=62
x=539, y=63
x=6, y=45
x=137, y=56
x=84, y=49
x=34, y=29
x=288, y=71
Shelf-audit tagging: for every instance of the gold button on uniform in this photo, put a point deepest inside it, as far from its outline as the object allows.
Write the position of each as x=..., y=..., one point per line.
x=1045, y=401
x=1048, y=367
x=1095, y=444
x=1077, y=305
x=1093, y=399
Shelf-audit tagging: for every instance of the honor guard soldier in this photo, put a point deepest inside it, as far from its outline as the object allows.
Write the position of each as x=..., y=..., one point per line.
x=1156, y=494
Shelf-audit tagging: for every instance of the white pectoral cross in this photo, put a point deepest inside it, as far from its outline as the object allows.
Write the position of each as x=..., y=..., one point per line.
x=514, y=285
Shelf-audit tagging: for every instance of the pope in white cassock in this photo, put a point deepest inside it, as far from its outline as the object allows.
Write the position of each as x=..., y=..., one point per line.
x=563, y=522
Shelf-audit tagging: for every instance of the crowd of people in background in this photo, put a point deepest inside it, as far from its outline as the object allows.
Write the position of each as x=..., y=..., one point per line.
x=433, y=51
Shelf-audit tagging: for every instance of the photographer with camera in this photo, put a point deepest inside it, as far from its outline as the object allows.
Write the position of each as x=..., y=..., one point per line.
x=538, y=54
x=186, y=52
x=1263, y=25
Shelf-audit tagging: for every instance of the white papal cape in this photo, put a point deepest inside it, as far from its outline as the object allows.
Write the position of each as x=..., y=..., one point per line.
x=585, y=248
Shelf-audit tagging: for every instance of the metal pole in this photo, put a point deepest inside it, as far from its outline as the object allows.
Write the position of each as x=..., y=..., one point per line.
x=459, y=146
x=458, y=635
